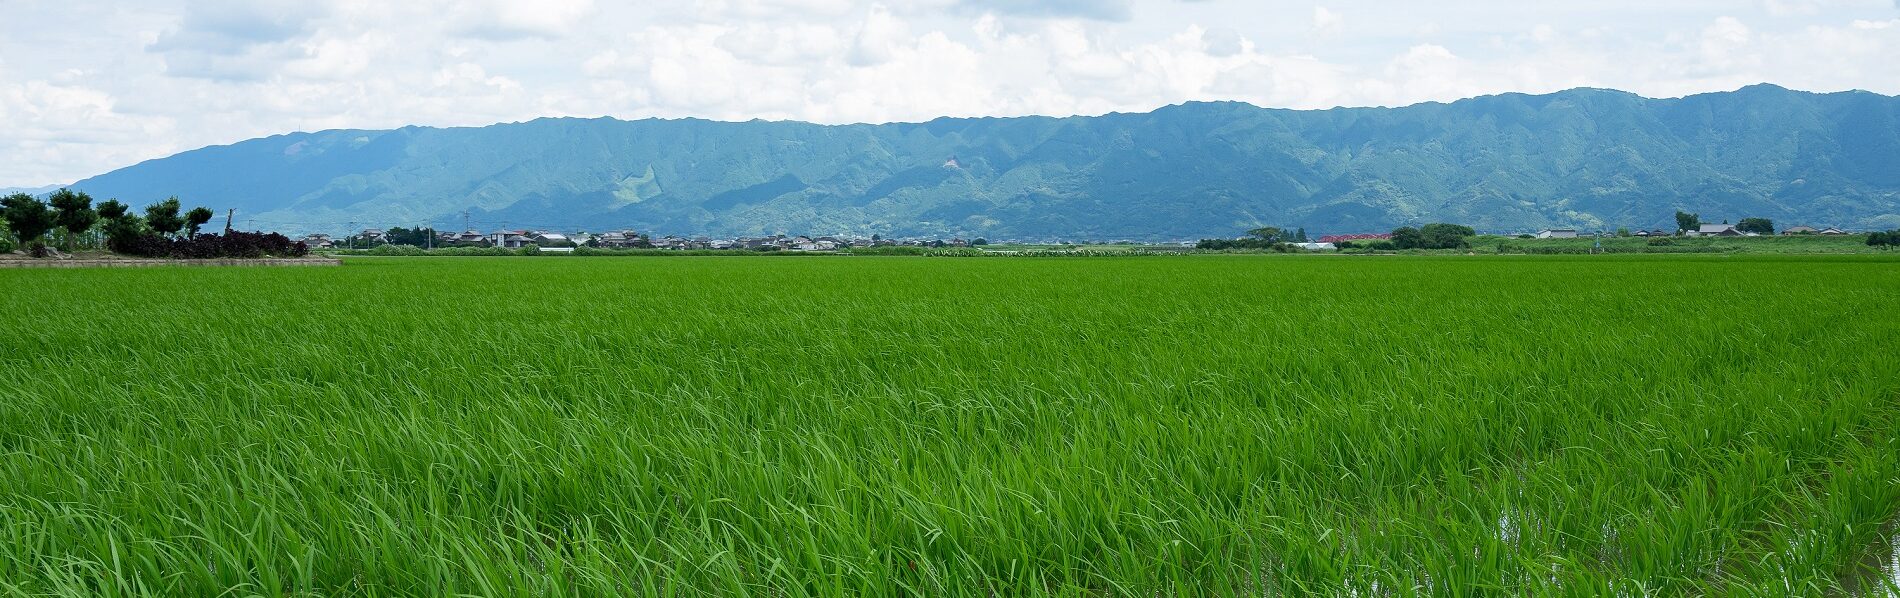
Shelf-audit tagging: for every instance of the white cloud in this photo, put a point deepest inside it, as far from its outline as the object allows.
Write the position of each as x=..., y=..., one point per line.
x=166, y=75
x=1325, y=20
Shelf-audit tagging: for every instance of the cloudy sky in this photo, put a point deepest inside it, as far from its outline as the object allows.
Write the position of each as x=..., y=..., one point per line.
x=87, y=86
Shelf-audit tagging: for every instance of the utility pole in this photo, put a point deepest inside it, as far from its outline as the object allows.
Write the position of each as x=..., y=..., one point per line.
x=465, y=220
x=227, y=220
x=428, y=237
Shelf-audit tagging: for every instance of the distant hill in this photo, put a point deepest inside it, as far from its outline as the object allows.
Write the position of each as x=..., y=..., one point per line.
x=1581, y=158
x=34, y=191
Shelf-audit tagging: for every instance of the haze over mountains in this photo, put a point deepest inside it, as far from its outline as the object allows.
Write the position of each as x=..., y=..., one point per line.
x=1580, y=158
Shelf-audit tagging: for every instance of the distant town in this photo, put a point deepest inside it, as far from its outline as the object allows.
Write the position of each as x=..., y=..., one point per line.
x=554, y=241
x=620, y=239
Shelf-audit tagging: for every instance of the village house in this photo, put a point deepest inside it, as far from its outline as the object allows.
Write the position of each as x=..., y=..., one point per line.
x=1831, y=231
x=1716, y=230
x=619, y=239
x=317, y=241
x=511, y=239
x=1799, y=230
x=1557, y=233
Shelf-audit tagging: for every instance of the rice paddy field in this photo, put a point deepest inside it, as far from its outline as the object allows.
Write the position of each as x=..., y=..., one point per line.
x=854, y=426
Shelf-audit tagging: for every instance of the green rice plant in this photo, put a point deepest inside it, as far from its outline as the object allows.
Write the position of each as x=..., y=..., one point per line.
x=1184, y=425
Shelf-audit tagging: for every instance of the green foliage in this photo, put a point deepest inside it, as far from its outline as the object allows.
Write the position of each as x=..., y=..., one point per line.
x=1268, y=234
x=196, y=219
x=27, y=218
x=111, y=209
x=1266, y=237
x=392, y=249
x=163, y=218
x=1760, y=226
x=887, y=250
x=6, y=245
x=124, y=233
x=419, y=237
x=1660, y=241
x=1006, y=427
x=1883, y=239
x=1444, y=236
x=1687, y=221
x=73, y=212
x=1406, y=237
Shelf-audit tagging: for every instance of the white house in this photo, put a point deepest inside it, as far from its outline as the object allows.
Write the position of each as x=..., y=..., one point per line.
x=1557, y=233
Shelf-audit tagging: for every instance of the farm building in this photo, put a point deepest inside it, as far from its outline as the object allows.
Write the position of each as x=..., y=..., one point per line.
x=1557, y=233
x=318, y=241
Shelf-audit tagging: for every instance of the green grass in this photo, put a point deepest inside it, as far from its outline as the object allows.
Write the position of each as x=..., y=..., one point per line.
x=1215, y=425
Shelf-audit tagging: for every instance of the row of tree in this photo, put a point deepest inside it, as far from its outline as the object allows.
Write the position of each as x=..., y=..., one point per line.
x=70, y=220
x=1884, y=239
x=1266, y=237
x=1762, y=226
x=1437, y=235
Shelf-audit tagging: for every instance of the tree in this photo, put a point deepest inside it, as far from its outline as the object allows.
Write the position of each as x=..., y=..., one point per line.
x=1300, y=237
x=417, y=236
x=73, y=213
x=1268, y=234
x=1439, y=235
x=163, y=217
x=27, y=218
x=1688, y=221
x=1879, y=239
x=979, y=242
x=1622, y=231
x=123, y=232
x=1760, y=226
x=111, y=209
x=1406, y=237
x=197, y=217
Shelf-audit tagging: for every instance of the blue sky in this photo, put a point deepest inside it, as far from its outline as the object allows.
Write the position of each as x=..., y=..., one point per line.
x=87, y=86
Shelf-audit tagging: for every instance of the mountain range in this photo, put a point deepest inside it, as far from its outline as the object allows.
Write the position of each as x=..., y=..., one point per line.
x=1585, y=158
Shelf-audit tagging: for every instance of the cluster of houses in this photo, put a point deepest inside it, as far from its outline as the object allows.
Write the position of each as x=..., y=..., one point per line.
x=1706, y=230
x=547, y=240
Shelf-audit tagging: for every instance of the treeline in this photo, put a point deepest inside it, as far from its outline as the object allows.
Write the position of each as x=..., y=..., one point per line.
x=71, y=223
x=1686, y=221
x=1266, y=237
x=1437, y=235
x=1884, y=239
